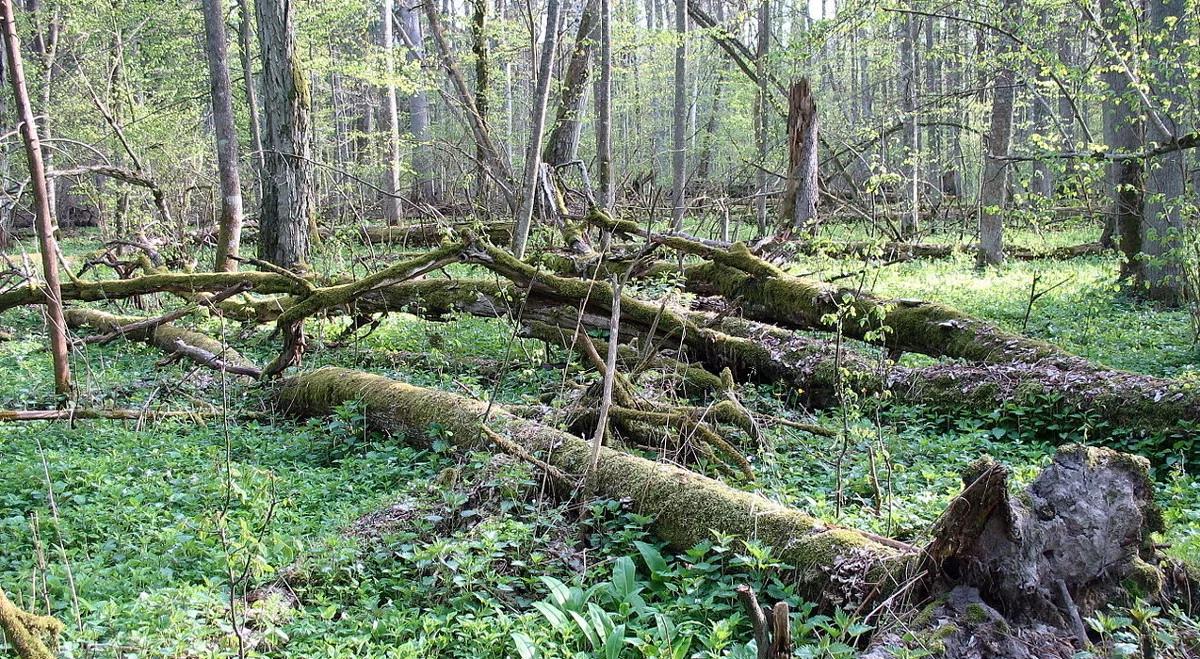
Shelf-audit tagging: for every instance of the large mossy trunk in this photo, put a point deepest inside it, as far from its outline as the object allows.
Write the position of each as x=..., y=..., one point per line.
x=687, y=508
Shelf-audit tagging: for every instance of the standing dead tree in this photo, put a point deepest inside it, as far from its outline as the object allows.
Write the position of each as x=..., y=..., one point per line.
x=800, y=197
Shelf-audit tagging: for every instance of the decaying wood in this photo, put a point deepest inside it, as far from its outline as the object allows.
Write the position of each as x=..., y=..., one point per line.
x=687, y=507
x=87, y=414
x=168, y=338
x=833, y=566
x=29, y=635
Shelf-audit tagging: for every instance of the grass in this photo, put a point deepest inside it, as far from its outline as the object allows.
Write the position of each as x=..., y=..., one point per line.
x=474, y=561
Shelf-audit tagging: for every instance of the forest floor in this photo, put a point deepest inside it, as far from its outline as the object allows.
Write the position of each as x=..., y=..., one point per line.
x=132, y=533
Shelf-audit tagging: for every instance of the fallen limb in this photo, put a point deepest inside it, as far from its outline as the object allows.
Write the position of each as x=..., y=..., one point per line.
x=170, y=339
x=185, y=284
x=116, y=414
x=29, y=635
x=687, y=507
x=151, y=323
x=434, y=234
x=1085, y=520
x=898, y=251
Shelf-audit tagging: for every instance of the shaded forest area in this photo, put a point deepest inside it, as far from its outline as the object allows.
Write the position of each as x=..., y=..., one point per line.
x=691, y=328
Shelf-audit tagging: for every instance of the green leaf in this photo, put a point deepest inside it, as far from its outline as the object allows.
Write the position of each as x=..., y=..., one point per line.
x=615, y=642
x=556, y=618
x=653, y=558
x=525, y=647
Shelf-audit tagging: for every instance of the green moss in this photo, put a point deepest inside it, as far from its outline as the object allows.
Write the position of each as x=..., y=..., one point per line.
x=976, y=614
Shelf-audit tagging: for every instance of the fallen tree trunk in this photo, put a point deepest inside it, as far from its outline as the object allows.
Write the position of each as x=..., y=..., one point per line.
x=1085, y=527
x=29, y=635
x=898, y=251
x=757, y=352
x=687, y=507
x=170, y=339
x=433, y=234
x=186, y=284
x=765, y=293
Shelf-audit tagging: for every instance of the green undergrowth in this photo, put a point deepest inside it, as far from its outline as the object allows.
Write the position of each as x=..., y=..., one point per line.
x=393, y=551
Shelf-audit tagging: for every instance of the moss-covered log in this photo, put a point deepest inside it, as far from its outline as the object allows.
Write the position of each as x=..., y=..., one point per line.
x=433, y=234
x=186, y=284
x=29, y=635
x=899, y=251
x=758, y=352
x=170, y=339
x=765, y=293
x=686, y=506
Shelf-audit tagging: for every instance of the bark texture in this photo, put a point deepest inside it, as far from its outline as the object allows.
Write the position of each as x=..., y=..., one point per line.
x=287, y=186
x=229, y=226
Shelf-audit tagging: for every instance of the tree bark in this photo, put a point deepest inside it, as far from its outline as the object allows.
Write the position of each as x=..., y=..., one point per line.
x=1163, y=224
x=479, y=50
x=533, y=154
x=287, y=190
x=229, y=228
x=679, y=134
x=993, y=190
x=392, y=211
x=245, y=30
x=800, y=198
x=44, y=221
x=563, y=141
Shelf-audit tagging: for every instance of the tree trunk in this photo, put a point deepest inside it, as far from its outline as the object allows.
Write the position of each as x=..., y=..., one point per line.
x=993, y=190
x=604, y=155
x=563, y=141
x=533, y=154
x=229, y=228
x=479, y=49
x=679, y=135
x=496, y=167
x=1163, y=225
x=1123, y=133
x=392, y=211
x=418, y=110
x=687, y=507
x=43, y=220
x=287, y=188
x=761, y=115
x=911, y=213
x=245, y=31
x=800, y=199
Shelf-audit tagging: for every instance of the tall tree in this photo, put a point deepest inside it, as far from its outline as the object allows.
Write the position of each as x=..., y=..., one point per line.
x=1122, y=133
x=418, y=109
x=479, y=48
x=392, y=211
x=679, y=134
x=911, y=213
x=245, y=30
x=563, y=141
x=287, y=188
x=533, y=154
x=229, y=228
x=604, y=154
x=41, y=197
x=993, y=188
x=762, y=113
x=1166, y=176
